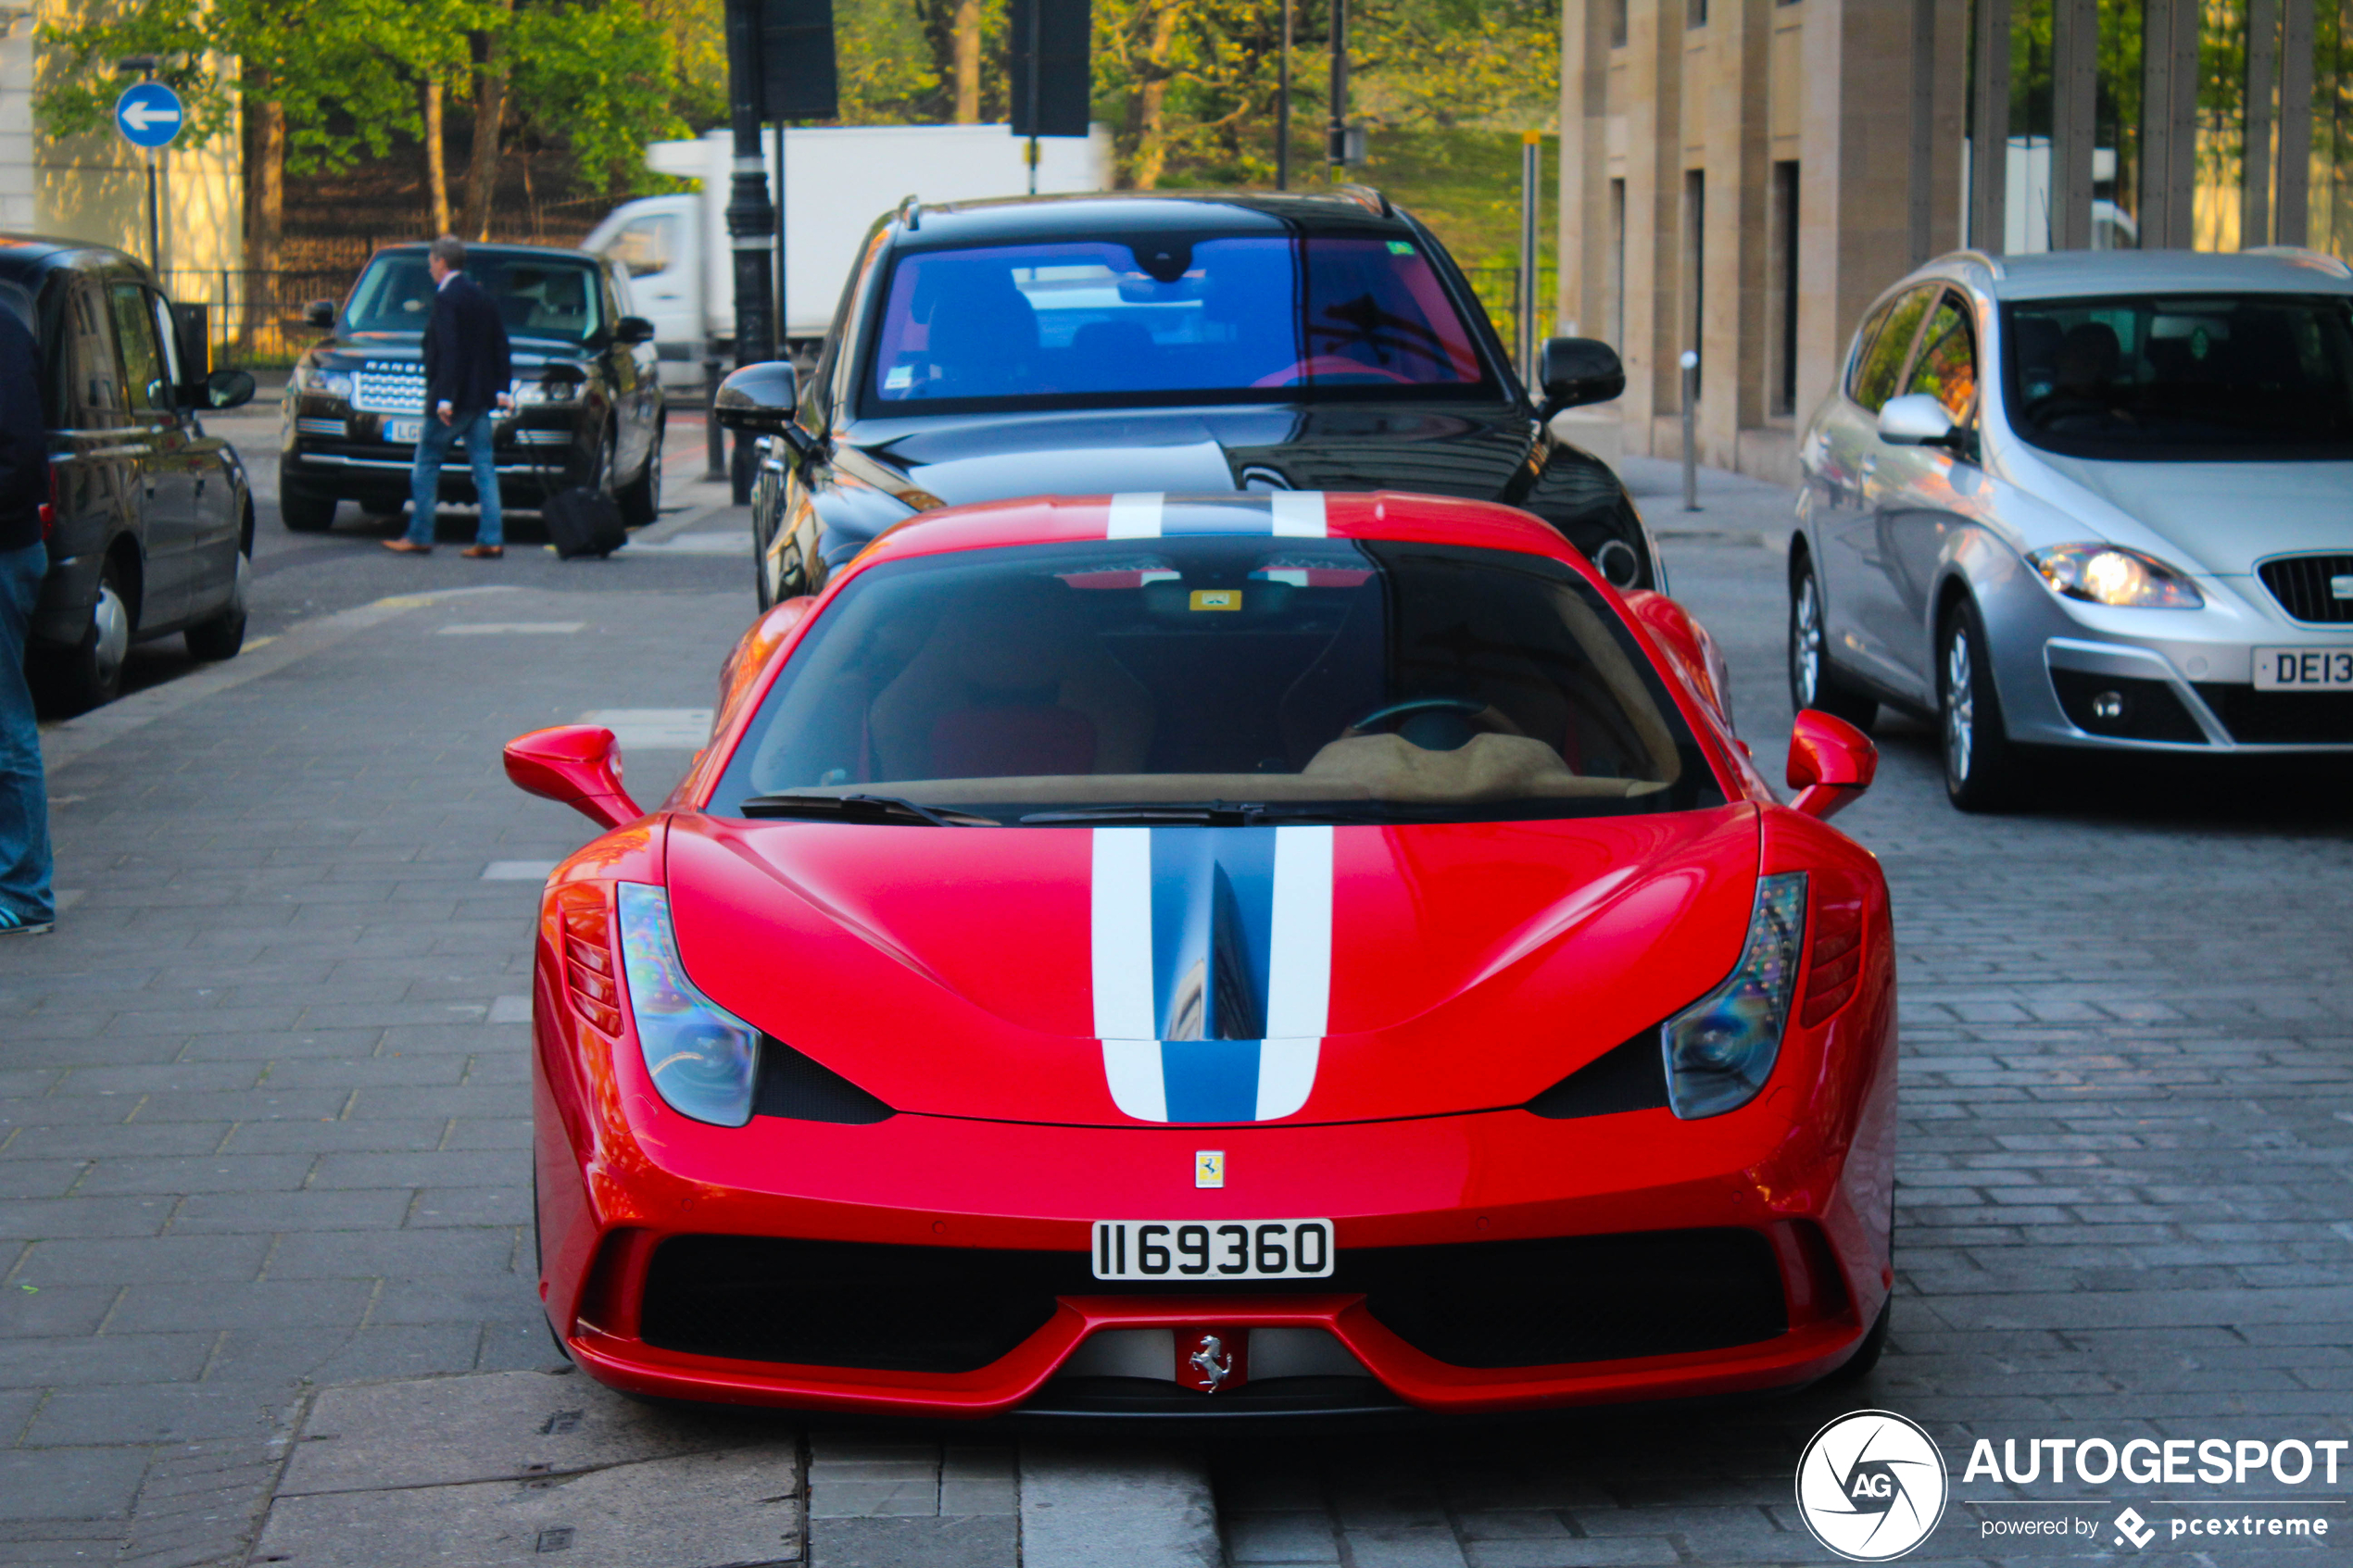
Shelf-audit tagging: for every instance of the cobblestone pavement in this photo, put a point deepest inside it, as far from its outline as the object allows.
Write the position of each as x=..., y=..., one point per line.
x=262, y=1119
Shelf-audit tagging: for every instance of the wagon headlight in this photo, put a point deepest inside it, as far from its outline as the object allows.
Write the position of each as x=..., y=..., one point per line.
x=545, y=393
x=1720, y=1050
x=2110, y=574
x=699, y=1056
x=326, y=383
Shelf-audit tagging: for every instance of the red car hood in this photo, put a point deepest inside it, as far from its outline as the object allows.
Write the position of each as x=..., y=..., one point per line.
x=1112, y=975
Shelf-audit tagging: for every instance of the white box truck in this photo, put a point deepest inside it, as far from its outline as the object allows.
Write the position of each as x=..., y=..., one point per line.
x=837, y=180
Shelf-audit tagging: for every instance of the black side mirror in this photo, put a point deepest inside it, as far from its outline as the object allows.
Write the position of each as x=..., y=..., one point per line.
x=228, y=389
x=1577, y=370
x=320, y=313
x=759, y=399
x=633, y=330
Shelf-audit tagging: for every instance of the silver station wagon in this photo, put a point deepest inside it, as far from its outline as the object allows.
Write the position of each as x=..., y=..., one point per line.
x=2089, y=499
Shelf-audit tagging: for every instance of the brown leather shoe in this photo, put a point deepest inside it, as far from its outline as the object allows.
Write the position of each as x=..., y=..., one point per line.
x=484, y=552
x=403, y=547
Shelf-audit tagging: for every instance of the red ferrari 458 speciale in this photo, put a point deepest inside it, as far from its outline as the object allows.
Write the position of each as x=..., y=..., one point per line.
x=1275, y=953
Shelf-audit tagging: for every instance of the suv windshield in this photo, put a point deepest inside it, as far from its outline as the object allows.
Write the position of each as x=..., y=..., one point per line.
x=539, y=296
x=2166, y=378
x=1354, y=680
x=1166, y=318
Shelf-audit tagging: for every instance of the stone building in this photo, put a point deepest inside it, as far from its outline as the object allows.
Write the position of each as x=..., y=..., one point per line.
x=1740, y=178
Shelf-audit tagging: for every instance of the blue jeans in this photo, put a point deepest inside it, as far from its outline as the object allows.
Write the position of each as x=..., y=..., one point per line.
x=24, y=794
x=424, y=481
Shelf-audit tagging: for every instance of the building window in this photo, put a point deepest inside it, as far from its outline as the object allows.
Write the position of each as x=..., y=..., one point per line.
x=1781, y=219
x=1618, y=265
x=1694, y=265
x=1617, y=23
x=1694, y=13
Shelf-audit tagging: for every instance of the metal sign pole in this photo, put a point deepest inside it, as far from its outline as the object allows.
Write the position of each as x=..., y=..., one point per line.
x=783, y=300
x=1037, y=75
x=1690, y=444
x=1336, y=133
x=155, y=220
x=1282, y=106
x=1531, y=153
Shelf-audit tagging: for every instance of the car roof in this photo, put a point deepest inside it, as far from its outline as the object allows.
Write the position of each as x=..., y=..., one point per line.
x=1380, y=514
x=548, y=252
x=2074, y=273
x=24, y=254
x=1092, y=214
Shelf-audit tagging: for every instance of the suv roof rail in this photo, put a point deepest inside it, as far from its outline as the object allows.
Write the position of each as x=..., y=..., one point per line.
x=1368, y=197
x=2304, y=256
x=911, y=213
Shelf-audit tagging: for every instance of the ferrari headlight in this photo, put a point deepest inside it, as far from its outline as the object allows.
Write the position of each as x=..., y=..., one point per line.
x=1720, y=1050
x=2110, y=574
x=699, y=1056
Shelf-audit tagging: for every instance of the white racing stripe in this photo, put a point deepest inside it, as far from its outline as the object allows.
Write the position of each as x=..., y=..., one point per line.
x=1299, y=970
x=1299, y=514
x=1135, y=514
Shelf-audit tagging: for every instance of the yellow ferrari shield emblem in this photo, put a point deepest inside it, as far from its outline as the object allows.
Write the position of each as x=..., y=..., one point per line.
x=1217, y=599
x=1209, y=1168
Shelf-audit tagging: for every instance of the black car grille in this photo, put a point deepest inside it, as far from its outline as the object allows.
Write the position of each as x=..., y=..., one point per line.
x=2281, y=718
x=949, y=1309
x=2304, y=586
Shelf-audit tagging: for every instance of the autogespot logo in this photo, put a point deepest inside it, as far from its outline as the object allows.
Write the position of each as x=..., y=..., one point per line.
x=1871, y=1485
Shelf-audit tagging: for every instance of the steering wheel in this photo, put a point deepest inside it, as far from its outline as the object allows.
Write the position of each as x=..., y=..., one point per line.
x=1463, y=705
x=1329, y=364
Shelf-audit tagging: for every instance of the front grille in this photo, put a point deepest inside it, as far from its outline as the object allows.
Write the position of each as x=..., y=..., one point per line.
x=389, y=386
x=2314, y=588
x=333, y=428
x=949, y=1309
x=2281, y=718
x=2143, y=710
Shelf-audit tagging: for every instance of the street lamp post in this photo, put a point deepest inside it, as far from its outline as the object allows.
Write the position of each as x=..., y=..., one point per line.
x=751, y=217
x=1282, y=106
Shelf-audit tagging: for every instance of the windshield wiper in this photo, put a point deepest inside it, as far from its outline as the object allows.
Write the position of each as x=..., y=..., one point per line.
x=861, y=808
x=1215, y=813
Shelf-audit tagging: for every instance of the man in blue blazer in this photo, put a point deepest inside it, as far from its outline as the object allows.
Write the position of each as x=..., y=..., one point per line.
x=467, y=373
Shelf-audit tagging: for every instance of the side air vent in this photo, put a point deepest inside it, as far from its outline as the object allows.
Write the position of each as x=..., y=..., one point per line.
x=791, y=1084
x=1628, y=1077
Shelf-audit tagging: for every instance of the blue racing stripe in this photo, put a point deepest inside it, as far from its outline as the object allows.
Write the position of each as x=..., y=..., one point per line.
x=1211, y=1080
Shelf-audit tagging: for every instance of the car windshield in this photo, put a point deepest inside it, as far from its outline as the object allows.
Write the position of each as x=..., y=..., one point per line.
x=1084, y=323
x=1345, y=680
x=539, y=296
x=2167, y=378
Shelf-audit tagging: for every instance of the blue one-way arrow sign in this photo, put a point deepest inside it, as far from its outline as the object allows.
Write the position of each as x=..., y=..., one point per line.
x=149, y=114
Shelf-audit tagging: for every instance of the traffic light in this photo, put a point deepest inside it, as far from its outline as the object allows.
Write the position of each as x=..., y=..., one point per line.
x=1051, y=81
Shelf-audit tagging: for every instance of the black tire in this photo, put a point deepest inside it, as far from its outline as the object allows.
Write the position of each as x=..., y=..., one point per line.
x=224, y=635
x=1982, y=770
x=1858, y=1365
x=303, y=512
x=89, y=674
x=1814, y=681
x=641, y=497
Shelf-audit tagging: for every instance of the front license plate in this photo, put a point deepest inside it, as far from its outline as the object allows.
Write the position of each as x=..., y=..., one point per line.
x=404, y=432
x=2303, y=670
x=1208, y=1249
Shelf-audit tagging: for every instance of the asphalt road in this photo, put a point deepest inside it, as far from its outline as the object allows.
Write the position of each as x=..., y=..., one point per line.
x=265, y=1271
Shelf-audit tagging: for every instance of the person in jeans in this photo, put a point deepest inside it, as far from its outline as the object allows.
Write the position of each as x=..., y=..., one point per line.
x=27, y=906
x=467, y=372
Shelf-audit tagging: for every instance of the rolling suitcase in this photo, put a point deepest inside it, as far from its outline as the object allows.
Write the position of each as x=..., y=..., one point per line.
x=582, y=522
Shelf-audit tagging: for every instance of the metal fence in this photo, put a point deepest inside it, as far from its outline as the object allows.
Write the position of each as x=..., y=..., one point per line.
x=255, y=317
x=1498, y=290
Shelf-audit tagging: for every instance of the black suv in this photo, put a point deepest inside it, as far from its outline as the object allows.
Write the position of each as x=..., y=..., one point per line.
x=1181, y=343
x=588, y=404
x=150, y=521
